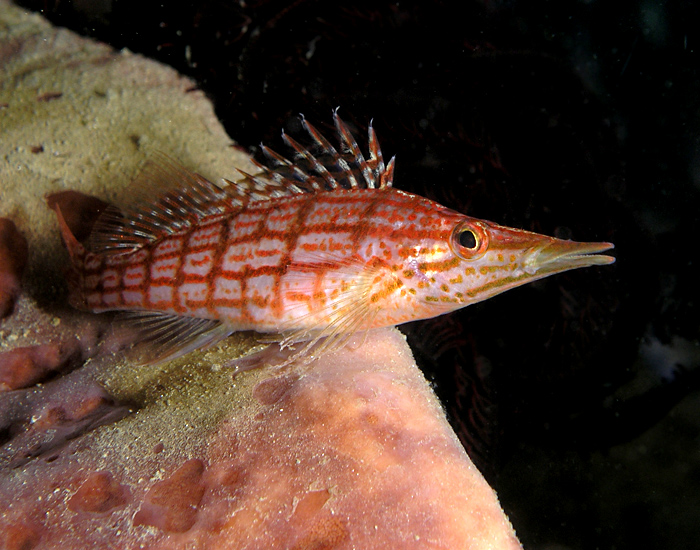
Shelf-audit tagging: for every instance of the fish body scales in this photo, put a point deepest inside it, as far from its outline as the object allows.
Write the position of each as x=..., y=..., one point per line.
x=280, y=263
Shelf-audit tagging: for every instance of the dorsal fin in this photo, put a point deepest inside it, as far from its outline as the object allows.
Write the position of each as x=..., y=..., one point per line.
x=184, y=198
x=319, y=167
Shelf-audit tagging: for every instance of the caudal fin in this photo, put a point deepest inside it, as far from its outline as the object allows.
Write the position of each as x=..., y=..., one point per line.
x=77, y=253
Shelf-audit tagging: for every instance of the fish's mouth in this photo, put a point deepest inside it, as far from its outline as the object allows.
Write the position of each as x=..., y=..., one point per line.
x=562, y=255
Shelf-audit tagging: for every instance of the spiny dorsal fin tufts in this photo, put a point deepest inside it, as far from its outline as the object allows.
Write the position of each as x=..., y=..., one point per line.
x=185, y=198
x=321, y=166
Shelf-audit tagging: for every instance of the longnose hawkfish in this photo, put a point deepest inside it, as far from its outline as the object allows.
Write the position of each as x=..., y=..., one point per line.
x=312, y=250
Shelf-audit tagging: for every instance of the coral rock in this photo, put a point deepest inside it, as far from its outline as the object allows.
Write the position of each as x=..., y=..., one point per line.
x=171, y=505
x=13, y=259
x=352, y=451
x=24, y=366
x=98, y=494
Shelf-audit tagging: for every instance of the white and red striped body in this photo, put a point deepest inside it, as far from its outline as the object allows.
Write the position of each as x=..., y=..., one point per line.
x=314, y=249
x=280, y=263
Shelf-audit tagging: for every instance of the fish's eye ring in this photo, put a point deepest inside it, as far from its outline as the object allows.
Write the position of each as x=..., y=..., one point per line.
x=469, y=240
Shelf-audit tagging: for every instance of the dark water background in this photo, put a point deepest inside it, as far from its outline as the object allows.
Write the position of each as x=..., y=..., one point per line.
x=577, y=396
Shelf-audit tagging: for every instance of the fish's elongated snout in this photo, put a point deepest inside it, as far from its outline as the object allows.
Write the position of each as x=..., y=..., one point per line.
x=560, y=255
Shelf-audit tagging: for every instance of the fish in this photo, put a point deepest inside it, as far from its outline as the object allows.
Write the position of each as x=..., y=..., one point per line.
x=307, y=251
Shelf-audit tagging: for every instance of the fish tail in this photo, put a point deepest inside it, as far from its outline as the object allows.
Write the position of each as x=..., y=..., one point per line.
x=75, y=276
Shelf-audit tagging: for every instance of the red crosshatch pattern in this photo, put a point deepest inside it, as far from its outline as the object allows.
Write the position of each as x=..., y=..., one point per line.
x=277, y=263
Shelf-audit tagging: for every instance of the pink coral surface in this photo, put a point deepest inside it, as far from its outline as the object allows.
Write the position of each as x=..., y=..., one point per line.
x=351, y=452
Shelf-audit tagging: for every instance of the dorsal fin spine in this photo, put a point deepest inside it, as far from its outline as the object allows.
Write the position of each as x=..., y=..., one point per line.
x=348, y=172
x=327, y=149
x=387, y=176
x=298, y=172
x=318, y=167
x=377, y=158
x=318, y=138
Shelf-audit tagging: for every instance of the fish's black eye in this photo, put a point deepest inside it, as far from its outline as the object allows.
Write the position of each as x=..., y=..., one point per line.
x=467, y=239
x=470, y=239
